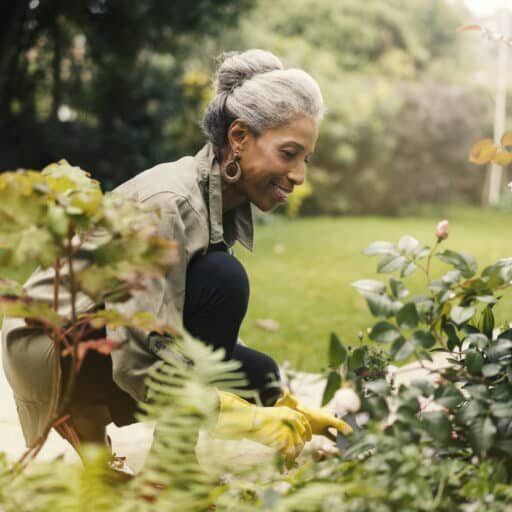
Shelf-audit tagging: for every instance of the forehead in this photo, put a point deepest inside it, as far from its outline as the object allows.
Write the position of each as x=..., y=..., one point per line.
x=301, y=130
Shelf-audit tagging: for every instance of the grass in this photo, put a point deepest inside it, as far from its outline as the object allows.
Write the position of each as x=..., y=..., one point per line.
x=301, y=273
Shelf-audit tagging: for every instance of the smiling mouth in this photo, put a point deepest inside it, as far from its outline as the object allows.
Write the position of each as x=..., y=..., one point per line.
x=281, y=192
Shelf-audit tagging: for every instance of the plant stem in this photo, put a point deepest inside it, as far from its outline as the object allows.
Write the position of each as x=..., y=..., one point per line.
x=429, y=258
x=74, y=336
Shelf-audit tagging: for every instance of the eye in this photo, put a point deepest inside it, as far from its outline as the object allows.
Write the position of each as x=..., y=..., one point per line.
x=288, y=155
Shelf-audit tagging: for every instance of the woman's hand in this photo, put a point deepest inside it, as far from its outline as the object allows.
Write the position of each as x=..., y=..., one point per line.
x=319, y=419
x=277, y=427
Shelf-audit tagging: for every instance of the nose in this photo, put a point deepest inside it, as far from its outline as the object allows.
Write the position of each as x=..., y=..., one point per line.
x=297, y=174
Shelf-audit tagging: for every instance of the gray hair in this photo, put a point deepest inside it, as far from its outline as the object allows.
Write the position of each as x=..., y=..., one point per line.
x=254, y=86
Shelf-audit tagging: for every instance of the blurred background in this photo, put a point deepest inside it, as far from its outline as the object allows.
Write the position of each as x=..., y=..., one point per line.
x=116, y=87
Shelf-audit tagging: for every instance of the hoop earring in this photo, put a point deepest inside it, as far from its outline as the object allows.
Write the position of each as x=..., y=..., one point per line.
x=232, y=171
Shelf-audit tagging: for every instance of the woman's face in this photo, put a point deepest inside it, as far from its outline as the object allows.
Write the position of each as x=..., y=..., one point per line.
x=275, y=161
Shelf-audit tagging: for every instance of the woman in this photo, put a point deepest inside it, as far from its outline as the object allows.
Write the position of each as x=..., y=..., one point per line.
x=261, y=127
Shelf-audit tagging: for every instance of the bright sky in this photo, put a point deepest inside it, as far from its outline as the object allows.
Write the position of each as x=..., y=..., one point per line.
x=487, y=7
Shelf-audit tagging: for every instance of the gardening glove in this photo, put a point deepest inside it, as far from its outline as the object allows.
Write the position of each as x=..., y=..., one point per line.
x=320, y=419
x=280, y=428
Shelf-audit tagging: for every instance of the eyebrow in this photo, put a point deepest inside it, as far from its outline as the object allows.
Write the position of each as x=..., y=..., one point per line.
x=293, y=143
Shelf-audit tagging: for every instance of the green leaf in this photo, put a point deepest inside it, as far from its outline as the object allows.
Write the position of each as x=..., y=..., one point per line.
x=384, y=332
x=407, y=268
x=469, y=411
x=481, y=435
x=437, y=285
x=401, y=349
x=398, y=289
x=379, y=247
x=499, y=350
x=486, y=323
x=423, y=339
x=498, y=273
x=424, y=386
x=479, y=391
x=390, y=263
x=369, y=285
x=408, y=244
x=332, y=385
x=437, y=425
x=337, y=352
x=407, y=317
x=424, y=305
x=502, y=410
x=474, y=362
x=421, y=253
x=460, y=314
x=379, y=305
x=477, y=340
x=25, y=307
x=356, y=359
x=452, y=277
x=378, y=387
x=491, y=370
x=451, y=332
x=448, y=396
x=487, y=299
x=461, y=261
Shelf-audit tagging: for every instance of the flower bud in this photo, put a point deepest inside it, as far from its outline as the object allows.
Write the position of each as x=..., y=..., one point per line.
x=442, y=230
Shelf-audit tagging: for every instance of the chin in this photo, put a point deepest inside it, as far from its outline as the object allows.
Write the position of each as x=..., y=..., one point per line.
x=266, y=205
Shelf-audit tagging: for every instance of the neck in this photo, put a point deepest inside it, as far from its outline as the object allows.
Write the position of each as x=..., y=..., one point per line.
x=231, y=197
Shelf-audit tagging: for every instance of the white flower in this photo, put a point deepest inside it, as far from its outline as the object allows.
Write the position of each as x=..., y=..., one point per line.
x=347, y=400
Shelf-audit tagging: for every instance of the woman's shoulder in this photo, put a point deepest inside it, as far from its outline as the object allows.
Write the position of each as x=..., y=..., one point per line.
x=178, y=179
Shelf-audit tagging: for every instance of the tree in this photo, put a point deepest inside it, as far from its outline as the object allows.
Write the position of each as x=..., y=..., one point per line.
x=96, y=80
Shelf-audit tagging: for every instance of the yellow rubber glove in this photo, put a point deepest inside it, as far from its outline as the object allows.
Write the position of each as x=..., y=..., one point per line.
x=280, y=428
x=319, y=419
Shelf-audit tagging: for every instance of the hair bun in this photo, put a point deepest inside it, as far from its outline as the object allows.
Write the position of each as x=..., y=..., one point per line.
x=236, y=68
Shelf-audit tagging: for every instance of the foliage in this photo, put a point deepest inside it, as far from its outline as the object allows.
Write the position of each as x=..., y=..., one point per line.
x=441, y=444
x=401, y=111
x=485, y=151
x=183, y=401
x=437, y=444
x=98, y=247
x=105, y=72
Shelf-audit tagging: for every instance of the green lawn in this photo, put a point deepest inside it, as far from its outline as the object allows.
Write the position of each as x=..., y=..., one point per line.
x=301, y=271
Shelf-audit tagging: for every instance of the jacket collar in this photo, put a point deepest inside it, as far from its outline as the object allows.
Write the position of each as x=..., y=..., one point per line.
x=237, y=224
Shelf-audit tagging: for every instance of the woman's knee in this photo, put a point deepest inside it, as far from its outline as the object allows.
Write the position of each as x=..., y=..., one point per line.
x=221, y=276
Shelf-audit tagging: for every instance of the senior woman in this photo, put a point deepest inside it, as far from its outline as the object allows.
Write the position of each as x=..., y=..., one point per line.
x=261, y=126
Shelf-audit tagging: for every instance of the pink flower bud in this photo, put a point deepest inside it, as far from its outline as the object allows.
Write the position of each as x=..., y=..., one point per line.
x=442, y=230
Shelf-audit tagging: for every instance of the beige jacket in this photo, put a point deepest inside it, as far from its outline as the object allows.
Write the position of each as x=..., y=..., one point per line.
x=188, y=194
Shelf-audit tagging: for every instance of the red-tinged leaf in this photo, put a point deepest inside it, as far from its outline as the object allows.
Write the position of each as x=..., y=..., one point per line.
x=103, y=346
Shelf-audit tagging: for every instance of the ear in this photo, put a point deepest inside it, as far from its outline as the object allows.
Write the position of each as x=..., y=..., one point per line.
x=237, y=134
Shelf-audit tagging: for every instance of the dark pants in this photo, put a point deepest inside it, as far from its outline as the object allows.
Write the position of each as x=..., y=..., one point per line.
x=217, y=295
x=216, y=299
